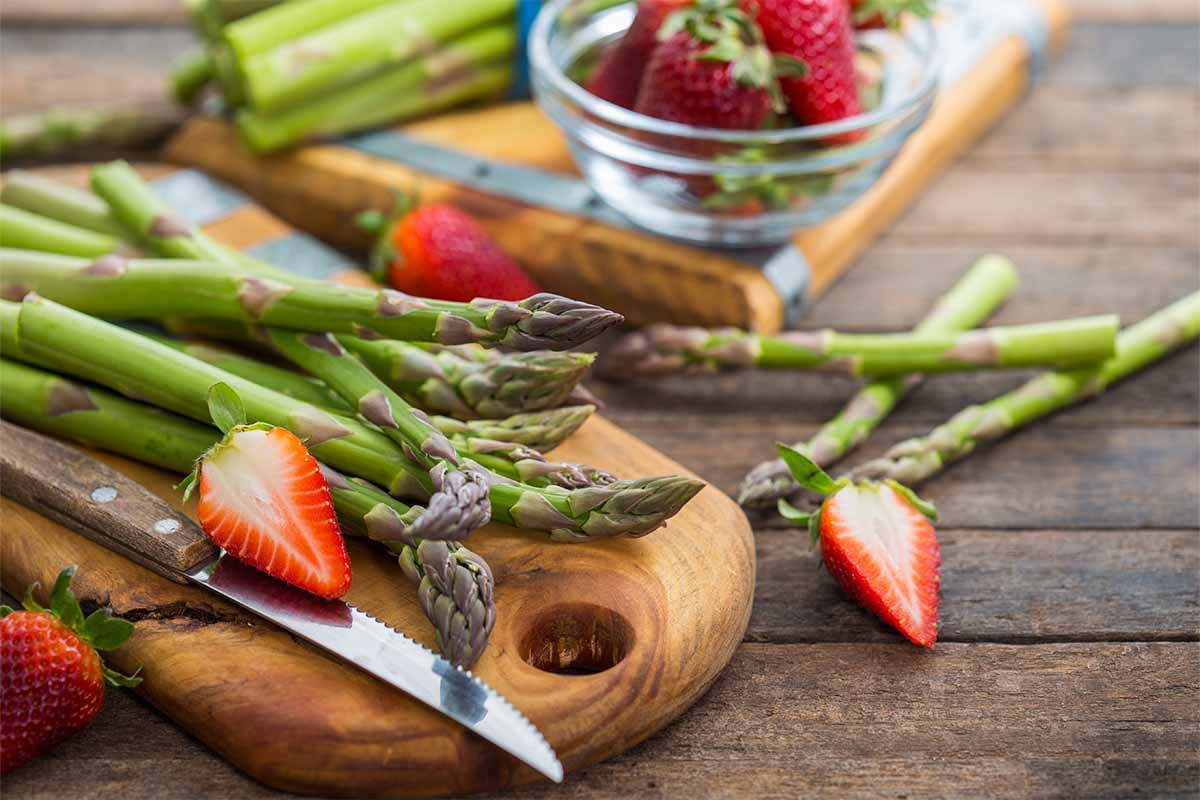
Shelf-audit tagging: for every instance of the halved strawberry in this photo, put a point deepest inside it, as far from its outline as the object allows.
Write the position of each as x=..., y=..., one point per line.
x=878, y=543
x=264, y=500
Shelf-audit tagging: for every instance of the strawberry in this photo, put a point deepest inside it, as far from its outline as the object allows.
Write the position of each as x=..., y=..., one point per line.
x=438, y=251
x=264, y=500
x=887, y=13
x=713, y=70
x=878, y=543
x=53, y=683
x=819, y=33
x=619, y=73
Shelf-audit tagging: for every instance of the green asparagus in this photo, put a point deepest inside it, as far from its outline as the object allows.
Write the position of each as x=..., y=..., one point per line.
x=26, y=230
x=455, y=586
x=918, y=459
x=460, y=487
x=356, y=46
x=477, y=65
x=61, y=131
x=968, y=303
x=58, y=201
x=666, y=349
x=46, y=334
x=116, y=287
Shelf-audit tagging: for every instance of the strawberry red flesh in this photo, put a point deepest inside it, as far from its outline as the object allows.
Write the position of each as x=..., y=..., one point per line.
x=884, y=553
x=441, y=252
x=264, y=500
x=619, y=73
x=819, y=33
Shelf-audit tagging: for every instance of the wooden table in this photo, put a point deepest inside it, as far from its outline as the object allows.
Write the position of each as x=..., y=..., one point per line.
x=1068, y=662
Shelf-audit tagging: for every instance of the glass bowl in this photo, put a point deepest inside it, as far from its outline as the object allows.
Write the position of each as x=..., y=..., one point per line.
x=731, y=188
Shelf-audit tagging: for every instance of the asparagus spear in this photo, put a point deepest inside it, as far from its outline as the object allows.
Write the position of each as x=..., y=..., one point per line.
x=460, y=382
x=190, y=74
x=455, y=585
x=116, y=287
x=541, y=430
x=474, y=66
x=272, y=27
x=24, y=229
x=920, y=458
x=968, y=303
x=60, y=131
x=358, y=45
x=461, y=487
x=58, y=201
x=665, y=349
x=44, y=333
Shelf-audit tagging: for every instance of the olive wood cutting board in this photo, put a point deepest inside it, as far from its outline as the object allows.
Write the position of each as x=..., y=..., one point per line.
x=599, y=644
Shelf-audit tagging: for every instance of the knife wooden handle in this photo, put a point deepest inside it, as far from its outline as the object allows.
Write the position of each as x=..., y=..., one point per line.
x=95, y=500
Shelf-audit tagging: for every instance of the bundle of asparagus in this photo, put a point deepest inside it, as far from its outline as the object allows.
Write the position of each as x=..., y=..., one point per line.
x=296, y=70
x=359, y=408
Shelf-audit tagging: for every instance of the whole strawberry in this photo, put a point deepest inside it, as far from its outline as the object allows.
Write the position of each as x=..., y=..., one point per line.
x=53, y=678
x=438, y=251
x=819, y=33
x=887, y=13
x=619, y=73
x=713, y=70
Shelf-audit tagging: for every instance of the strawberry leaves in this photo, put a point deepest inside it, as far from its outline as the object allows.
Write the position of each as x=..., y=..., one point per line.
x=806, y=473
x=225, y=407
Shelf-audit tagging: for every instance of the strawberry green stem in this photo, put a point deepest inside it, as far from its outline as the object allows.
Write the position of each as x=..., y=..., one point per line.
x=969, y=302
x=664, y=349
x=918, y=459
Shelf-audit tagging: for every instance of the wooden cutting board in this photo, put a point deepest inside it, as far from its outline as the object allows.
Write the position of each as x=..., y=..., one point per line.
x=989, y=65
x=599, y=644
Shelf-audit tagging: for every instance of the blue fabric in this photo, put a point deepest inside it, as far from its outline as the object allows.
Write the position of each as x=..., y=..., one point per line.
x=527, y=11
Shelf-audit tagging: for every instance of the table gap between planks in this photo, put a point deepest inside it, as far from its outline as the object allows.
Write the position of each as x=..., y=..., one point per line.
x=1068, y=661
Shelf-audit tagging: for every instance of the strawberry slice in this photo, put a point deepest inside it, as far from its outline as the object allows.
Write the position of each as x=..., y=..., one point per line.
x=877, y=541
x=264, y=500
x=884, y=553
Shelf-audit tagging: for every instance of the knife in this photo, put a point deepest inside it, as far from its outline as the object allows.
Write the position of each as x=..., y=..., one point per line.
x=109, y=508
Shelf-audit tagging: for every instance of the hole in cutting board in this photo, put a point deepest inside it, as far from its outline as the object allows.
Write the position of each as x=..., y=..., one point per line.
x=577, y=639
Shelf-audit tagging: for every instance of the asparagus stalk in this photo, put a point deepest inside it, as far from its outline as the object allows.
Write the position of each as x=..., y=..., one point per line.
x=38, y=195
x=969, y=302
x=61, y=131
x=359, y=45
x=455, y=586
x=190, y=74
x=462, y=383
x=920, y=458
x=488, y=444
x=115, y=287
x=665, y=349
x=24, y=229
x=284, y=22
x=541, y=430
x=46, y=334
x=461, y=487
x=474, y=66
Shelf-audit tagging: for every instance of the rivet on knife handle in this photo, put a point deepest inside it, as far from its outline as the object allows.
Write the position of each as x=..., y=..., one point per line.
x=99, y=502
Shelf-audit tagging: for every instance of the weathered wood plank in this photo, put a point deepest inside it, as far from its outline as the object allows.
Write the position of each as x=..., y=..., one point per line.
x=1069, y=720
x=1142, y=11
x=1000, y=586
x=1051, y=476
x=1115, y=57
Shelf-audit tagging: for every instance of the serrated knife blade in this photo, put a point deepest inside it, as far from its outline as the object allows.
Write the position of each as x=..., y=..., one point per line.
x=362, y=640
x=111, y=509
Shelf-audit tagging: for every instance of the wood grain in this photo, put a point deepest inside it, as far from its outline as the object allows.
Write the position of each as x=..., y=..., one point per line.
x=851, y=720
x=211, y=667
